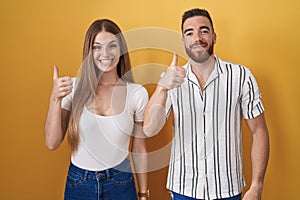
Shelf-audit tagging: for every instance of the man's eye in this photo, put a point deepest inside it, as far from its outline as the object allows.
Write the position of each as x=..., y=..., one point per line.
x=204, y=32
x=189, y=34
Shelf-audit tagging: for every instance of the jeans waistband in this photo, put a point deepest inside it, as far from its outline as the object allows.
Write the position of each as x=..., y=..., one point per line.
x=124, y=166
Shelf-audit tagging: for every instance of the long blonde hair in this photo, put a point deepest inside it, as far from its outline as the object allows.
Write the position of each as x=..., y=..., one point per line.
x=90, y=74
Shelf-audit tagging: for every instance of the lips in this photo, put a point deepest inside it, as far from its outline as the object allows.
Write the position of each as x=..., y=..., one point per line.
x=106, y=61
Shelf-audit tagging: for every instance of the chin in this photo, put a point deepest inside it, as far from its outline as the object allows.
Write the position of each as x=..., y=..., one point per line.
x=106, y=68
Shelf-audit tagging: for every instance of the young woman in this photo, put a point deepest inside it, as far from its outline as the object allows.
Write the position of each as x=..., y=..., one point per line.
x=101, y=110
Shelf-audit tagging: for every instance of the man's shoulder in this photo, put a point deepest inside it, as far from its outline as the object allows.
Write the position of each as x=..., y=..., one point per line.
x=225, y=65
x=226, y=62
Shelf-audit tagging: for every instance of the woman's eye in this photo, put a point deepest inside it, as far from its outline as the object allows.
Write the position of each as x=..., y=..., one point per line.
x=112, y=46
x=97, y=48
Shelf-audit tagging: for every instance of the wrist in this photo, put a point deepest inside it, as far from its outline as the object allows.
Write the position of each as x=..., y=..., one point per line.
x=55, y=99
x=258, y=186
x=144, y=194
x=161, y=88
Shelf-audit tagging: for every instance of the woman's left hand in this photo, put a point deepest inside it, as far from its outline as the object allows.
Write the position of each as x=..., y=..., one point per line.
x=143, y=198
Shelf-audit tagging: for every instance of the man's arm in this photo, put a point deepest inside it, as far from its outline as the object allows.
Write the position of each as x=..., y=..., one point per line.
x=155, y=114
x=259, y=156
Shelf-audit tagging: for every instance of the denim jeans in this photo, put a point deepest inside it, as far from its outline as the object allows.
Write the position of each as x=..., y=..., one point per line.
x=175, y=196
x=110, y=184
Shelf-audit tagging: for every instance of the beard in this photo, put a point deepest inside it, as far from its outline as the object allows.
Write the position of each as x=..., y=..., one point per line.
x=199, y=56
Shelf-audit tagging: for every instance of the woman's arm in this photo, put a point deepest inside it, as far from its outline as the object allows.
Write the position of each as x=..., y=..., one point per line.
x=139, y=157
x=57, y=119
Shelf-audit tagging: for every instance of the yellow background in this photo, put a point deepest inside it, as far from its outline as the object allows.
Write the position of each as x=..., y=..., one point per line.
x=262, y=35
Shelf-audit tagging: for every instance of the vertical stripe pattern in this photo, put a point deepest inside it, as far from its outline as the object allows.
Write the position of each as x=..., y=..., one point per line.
x=206, y=158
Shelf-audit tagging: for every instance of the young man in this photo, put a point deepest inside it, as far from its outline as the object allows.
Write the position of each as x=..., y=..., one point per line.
x=208, y=97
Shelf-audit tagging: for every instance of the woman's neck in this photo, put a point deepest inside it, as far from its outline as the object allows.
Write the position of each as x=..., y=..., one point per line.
x=108, y=78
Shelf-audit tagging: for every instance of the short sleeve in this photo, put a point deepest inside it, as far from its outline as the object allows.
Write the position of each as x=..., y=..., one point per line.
x=67, y=100
x=141, y=100
x=251, y=97
x=168, y=105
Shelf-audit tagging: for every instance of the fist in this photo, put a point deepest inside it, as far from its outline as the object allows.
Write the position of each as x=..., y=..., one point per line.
x=62, y=86
x=174, y=76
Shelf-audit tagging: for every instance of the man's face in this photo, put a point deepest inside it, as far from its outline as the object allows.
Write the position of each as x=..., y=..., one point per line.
x=198, y=38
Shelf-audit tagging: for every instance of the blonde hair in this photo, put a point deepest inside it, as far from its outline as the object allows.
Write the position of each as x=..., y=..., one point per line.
x=90, y=74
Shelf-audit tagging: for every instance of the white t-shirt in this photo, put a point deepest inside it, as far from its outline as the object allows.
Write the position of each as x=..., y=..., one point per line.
x=104, y=140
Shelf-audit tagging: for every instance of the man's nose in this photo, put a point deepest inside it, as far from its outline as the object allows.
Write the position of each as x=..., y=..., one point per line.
x=198, y=36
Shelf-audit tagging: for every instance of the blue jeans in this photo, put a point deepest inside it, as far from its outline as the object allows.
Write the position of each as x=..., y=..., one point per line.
x=110, y=184
x=175, y=196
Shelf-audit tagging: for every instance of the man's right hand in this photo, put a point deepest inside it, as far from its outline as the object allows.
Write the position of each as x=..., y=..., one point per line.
x=62, y=86
x=174, y=76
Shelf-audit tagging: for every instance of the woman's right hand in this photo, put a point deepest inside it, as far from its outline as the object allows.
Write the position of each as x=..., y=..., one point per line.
x=62, y=86
x=57, y=118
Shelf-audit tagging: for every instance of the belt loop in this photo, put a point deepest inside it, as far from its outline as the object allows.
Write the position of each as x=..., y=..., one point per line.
x=85, y=176
x=107, y=173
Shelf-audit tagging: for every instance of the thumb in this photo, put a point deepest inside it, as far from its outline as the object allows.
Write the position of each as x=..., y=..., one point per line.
x=174, y=60
x=55, y=72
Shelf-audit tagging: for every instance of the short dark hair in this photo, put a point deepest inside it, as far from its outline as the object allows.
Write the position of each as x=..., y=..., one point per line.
x=196, y=12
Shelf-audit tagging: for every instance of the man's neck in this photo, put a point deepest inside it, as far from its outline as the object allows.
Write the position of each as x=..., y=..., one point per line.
x=203, y=69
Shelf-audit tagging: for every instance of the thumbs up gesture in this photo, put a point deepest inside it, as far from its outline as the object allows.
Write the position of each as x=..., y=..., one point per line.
x=174, y=76
x=62, y=86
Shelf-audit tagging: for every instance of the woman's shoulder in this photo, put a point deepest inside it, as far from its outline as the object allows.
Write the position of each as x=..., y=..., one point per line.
x=137, y=96
x=75, y=79
x=135, y=88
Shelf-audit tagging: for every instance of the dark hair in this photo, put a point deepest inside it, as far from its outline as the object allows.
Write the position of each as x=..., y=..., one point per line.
x=196, y=12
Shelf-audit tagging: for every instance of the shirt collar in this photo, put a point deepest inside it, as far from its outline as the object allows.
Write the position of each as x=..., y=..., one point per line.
x=214, y=74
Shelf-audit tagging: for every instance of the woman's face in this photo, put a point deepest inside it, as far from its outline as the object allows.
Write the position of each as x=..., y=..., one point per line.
x=106, y=51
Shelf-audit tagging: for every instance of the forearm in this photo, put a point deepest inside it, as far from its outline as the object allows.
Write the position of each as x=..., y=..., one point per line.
x=53, y=130
x=141, y=176
x=259, y=156
x=140, y=161
x=155, y=115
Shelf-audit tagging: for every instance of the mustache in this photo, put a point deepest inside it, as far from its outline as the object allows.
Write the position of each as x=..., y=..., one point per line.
x=198, y=43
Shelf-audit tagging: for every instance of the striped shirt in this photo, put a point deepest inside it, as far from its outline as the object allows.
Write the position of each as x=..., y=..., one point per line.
x=206, y=159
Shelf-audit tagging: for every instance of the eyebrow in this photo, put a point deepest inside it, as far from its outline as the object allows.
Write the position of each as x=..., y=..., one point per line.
x=189, y=29
x=202, y=27
x=104, y=43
